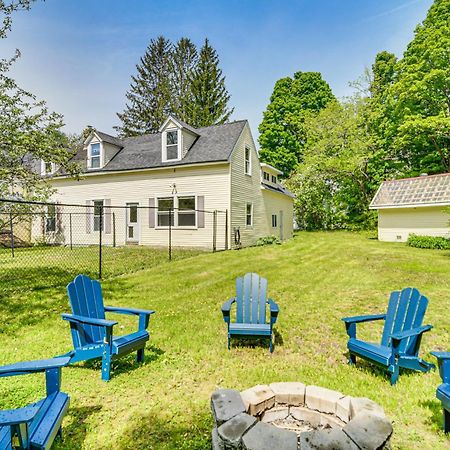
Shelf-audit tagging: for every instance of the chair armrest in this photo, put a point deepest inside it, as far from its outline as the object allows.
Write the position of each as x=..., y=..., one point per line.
x=444, y=365
x=10, y=417
x=226, y=308
x=26, y=367
x=409, y=333
x=350, y=322
x=89, y=320
x=274, y=310
x=130, y=311
x=360, y=319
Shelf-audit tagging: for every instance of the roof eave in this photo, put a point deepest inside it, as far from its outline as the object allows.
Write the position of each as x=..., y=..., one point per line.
x=411, y=205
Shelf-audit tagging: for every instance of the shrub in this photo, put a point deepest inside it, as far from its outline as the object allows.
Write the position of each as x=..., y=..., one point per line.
x=433, y=242
x=268, y=240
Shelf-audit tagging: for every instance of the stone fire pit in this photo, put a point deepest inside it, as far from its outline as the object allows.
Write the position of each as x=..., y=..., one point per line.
x=293, y=416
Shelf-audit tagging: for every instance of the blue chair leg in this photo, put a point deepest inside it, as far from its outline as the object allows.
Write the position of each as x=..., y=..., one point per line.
x=106, y=367
x=446, y=421
x=271, y=345
x=140, y=355
x=352, y=359
x=229, y=343
x=395, y=374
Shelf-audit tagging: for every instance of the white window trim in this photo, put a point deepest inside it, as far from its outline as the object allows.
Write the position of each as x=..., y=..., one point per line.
x=249, y=172
x=89, y=166
x=164, y=145
x=43, y=170
x=175, y=211
x=251, y=215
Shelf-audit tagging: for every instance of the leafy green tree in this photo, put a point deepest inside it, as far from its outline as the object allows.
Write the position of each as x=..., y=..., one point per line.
x=282, y=130
x=183, y=62
x=210, y=98
x=422, y=96
x=332, y=184
x=150, y=92
x=7, y=9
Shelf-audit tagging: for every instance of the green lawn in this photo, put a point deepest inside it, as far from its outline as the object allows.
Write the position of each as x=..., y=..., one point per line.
x=317, y=278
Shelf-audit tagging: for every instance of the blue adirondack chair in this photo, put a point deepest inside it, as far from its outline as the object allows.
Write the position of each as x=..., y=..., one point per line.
x=35, y=426
x=251, y=304
x=92, y=334
x=443, y=391
x=401, y=338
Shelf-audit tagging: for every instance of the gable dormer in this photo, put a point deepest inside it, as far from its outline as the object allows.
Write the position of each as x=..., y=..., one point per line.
x=269, y=175
x=100, y=149
x=177, y=138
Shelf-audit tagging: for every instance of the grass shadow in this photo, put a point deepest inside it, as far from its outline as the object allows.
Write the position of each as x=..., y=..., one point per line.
x=74, y=434
x=435, y=407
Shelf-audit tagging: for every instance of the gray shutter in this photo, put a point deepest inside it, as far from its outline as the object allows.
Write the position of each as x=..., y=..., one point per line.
x=107, y=215
x=151, y=213
x=58, y=220
x=88, y=216
x=200, y=211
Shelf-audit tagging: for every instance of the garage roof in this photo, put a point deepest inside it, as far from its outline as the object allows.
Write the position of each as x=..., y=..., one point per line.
x=426, y=190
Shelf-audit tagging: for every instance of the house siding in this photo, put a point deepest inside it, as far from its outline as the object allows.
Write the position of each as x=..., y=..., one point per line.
x=246, y=189
x=212, y=182
x=395, y=225
x=282, y=206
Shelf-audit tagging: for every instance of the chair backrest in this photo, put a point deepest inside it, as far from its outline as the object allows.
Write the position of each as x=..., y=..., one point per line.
x=251, y=299
x=405, y=311
x=86, y=300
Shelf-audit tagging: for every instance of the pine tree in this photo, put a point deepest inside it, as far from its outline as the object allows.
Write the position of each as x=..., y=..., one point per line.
x=183, y=62
x=210, y=97
x=150, y=92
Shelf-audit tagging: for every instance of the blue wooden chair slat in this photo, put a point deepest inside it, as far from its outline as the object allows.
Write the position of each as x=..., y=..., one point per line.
x=255, y=298
x=239, y=300
x=251, y=304
x=262, y=300
x=36, y=425
x=401, y=337
x=443, y=390
x=247, y=296
x=92, y=334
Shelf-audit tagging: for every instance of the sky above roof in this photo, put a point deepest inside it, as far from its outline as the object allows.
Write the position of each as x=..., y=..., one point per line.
x=79, y=55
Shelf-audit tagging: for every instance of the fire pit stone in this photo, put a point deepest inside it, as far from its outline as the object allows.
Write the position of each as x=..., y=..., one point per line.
x=292, y=416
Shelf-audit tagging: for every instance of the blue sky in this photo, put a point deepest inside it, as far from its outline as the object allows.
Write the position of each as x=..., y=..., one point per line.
x=79, y=55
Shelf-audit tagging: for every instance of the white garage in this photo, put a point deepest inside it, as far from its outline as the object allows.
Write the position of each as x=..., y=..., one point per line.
x=419, y=205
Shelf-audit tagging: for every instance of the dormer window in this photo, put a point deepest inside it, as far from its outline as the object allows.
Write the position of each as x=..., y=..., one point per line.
x=274, y=179
x=171, y=145
x=94, y=156
x=266, y=176
x=47, y=168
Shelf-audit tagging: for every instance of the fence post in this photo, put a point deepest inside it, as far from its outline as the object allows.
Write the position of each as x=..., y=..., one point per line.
x=226, y=229
x=214, y=230
x=114, y=228
x=100, y=243
x=170, y=234
x=12, y=233
x=70, y=230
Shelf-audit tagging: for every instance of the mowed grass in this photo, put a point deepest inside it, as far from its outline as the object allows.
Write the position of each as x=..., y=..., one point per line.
x=316, y=278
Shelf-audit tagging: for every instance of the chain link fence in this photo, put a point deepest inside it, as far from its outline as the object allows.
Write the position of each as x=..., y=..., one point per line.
x=50, y=243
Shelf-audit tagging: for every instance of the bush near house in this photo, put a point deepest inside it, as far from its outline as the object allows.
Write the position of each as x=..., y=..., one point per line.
x=430, y=242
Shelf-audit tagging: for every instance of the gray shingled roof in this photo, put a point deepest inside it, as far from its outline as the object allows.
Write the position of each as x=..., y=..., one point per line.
x=110, y=139
x=214, y=144
x=279, y=188
x=408, y=192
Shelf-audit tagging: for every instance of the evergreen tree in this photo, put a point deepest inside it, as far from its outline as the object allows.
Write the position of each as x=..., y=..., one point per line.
x=282, y=131
x=209, y=105
x=183, y=62
x=150, y=92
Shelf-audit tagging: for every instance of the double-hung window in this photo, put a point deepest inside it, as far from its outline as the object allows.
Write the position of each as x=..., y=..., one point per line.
x=165, y=211
x=181, y=208
x=186, y=211
x=95, y=156
x=172, y=145
x=248, y=161
x=266, y=176
x=249, y=214
x=98, y=211
x=50, y=220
